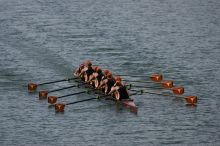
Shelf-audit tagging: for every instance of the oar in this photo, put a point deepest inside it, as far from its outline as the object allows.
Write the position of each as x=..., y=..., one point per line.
x=190, y=100
x=154, y=77
x=165, y=83
x=59, y=107
x=53, y=99
x=176, y=90
x=124, y=75
x=135, y=81
x=33, y=86
x=43, y=93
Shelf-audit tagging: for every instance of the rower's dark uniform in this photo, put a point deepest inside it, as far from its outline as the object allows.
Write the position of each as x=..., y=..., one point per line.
x=99, y=78
x=110, y=84
x=123, y=94
x=89, y=71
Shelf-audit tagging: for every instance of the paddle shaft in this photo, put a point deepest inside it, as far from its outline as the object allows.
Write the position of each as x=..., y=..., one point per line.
x=141, y=81
x=153, y=87
x=51, y=82
x=81, y=101
x=130, y=75
x=86, y=99
x=141, y=92
x=71, y=94
x=63, y=88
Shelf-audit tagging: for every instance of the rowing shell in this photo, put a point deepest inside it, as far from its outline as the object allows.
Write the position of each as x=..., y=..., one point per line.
x=127, y=103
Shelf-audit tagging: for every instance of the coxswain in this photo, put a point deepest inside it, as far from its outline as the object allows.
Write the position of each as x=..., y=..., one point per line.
x=119, y=91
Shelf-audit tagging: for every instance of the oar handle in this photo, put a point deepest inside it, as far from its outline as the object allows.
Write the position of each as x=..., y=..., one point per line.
x=81, y=101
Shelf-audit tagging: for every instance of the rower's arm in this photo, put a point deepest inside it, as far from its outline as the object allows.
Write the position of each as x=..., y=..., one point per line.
x=93, y=77
x=83, y=71
x=113, y=89
x=76, y=71
x=102, y=83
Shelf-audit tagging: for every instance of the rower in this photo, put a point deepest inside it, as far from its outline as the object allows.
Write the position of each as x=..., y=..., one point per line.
x=79, y=69
x=92, y=77
x=105, y=73
x=101, y=84
x=87, y=71
x=107, y=83
x=119, y=91
x=96, y=77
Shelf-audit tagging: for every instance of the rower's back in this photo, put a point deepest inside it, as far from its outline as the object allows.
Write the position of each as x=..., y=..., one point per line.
x=123, y=93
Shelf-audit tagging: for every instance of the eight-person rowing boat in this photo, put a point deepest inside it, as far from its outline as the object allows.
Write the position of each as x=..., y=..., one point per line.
x=112, y=87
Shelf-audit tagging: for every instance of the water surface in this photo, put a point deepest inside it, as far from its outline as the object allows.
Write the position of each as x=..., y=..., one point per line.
x=44, y=40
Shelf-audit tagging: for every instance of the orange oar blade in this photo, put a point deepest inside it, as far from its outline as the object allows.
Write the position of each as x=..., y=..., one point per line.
x=178, y=90
x=32, y=87
x=156, y=77
x=167, y=84
x=52, y=99
x=59, y=107
x=191, y=100
x=43, y=94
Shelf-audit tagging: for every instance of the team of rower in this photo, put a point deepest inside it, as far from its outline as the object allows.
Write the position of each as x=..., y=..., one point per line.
x=102, y=80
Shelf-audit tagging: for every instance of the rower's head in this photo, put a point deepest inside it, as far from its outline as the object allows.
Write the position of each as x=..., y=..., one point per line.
x=109, y=75
x=84, y=62
x=88, y=63
x=95, y=68
x=81, y=66
x=117, y=78
x=118, y=83
x=106, y=72
x=99, y=70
